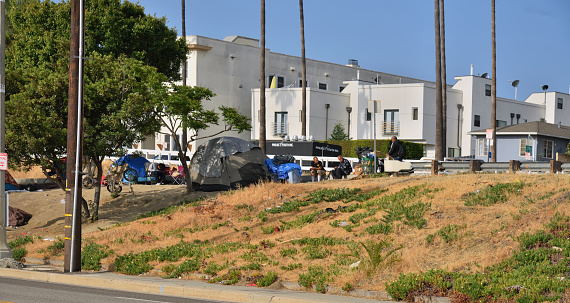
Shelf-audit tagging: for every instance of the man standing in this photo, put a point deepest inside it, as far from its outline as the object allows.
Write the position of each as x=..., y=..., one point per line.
x=344, y=168
x=317, y=169
x=396, y=149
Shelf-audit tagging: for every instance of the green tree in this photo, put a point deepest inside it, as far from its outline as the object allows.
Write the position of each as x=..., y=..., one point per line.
x=122, y=42
x=120, y=101
x=183, y=108
x=338, y=133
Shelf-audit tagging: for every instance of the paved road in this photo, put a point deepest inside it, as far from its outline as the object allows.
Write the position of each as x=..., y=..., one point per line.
x=28, y=291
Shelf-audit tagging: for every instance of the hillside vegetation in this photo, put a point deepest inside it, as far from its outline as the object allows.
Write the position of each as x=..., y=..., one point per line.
x=489, y=237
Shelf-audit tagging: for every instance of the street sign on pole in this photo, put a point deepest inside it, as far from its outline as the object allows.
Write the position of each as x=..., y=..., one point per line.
x=3, y=161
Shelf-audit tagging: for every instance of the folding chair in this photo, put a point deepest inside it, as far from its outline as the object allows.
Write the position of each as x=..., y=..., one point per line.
x=179, y=179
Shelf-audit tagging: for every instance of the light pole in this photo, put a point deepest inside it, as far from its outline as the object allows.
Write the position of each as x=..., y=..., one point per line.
x=348, y=110
x=327, y=105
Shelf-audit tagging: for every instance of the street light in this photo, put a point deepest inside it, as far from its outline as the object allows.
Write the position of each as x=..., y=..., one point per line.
x=515, y=84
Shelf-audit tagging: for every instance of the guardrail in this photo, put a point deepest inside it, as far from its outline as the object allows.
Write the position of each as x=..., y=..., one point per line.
x=491, y=167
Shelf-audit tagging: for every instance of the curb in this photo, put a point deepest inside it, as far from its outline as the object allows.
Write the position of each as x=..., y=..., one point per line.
x=181, y=288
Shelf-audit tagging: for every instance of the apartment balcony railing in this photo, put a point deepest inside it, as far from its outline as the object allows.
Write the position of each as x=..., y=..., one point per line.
x=390, y=128
x=280, y=129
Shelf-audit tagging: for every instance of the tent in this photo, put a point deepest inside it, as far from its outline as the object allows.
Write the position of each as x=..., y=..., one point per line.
x=10, y=183
x=226, y=162
x=137, y=168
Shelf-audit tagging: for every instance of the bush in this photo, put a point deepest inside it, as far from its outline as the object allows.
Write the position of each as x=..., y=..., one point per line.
x=413, y=150
x=92, y=254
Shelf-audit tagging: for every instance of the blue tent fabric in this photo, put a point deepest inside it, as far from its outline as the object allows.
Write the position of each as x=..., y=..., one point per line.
x=138, y=164
x=282, y=170
x=9, y=186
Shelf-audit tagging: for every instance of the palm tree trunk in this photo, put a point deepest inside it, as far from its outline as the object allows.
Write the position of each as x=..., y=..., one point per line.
x=184, y=71
x=494, y=87
x=262, y=129
x=439, y=153
x=443, y=78
x=304, y=72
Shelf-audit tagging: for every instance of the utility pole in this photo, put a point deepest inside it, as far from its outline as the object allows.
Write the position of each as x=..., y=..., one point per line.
x=72, y=257
x=184, y=72
x=5, y=251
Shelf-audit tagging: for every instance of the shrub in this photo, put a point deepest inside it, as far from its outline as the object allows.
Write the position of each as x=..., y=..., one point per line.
x=92, y=254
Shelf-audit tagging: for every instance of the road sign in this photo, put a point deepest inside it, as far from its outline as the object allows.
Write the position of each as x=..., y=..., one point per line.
x=3, y=161
x=528, y=149
x=489, y=133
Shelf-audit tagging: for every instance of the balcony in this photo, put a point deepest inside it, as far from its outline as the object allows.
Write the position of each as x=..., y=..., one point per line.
x=390, y=128
x=280, y=129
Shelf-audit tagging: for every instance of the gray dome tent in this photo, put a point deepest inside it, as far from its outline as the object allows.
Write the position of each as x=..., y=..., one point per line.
x=226, y=162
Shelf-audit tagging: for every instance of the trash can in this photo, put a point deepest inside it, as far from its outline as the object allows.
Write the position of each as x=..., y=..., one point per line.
x=293, y=176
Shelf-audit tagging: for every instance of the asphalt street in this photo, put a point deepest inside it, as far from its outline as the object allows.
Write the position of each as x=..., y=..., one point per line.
x=29, y=291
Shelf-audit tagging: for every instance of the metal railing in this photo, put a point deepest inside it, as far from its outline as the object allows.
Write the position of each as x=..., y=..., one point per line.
x=488, y=167
x=390, y=128
x=280, y=129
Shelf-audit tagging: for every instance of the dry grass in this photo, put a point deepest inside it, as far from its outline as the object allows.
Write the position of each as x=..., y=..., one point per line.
x=487, y=234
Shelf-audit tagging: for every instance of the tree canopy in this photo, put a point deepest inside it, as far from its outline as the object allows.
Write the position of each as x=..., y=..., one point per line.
x=338, y=133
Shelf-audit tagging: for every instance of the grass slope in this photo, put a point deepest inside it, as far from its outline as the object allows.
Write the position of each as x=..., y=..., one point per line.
x=488, y=237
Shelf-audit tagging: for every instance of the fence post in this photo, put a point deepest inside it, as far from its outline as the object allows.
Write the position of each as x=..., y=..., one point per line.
x=434, y=167
x=474, y=166
x=555, y=166
x=514, y=166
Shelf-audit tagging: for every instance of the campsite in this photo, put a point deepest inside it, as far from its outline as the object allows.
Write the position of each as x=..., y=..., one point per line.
x=269, y=228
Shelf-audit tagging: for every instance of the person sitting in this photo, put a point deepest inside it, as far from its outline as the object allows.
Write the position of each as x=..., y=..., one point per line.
x=157, y=170
x=317, y=170
x=397, y=150
x=344, y=168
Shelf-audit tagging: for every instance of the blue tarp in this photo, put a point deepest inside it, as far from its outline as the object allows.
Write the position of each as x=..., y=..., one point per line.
x=282, y=170
x=138, y=164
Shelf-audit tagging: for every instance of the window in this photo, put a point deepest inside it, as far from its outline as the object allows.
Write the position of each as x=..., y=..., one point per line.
x=415, y=113
x=280, y=123
x=174, y=146
x=391, y=121
x=487, y=89
x=453, y=152
x=559, y=103
x=368, y=115
x=477, y=121
x=280, y=81
x=522, y=148
x=482, y=147
x=547, y=147
x=341, y=88
x=323, y=86
x=301, y=82
x=500, y=123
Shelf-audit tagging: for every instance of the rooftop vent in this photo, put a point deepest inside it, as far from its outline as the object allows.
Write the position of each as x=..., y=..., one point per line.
x=353, y=63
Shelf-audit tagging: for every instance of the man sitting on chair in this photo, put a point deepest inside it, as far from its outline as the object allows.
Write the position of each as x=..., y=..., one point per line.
x=317, y=169
x=344, y=168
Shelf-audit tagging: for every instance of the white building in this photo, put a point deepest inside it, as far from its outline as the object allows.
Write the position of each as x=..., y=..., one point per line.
x=408, y=112
x=341, y=93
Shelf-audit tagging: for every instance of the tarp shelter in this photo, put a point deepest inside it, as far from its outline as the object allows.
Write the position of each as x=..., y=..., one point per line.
x=10, y=183
x=136, y=163
x=226, y=162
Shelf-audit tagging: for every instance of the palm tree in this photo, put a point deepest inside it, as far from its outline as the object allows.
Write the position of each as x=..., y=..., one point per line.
x=184, y=73
x=494, y=86
x=304, y=72
x=443, y=77
x=438, y=95
x=262, y=129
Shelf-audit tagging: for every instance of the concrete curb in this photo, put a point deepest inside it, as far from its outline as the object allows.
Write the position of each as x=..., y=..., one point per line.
x=182, y=288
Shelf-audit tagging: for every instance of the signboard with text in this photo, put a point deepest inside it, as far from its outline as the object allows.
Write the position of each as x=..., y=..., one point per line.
x=3, y=161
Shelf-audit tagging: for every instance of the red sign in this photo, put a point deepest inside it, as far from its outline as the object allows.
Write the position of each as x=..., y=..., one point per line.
x=3, y=161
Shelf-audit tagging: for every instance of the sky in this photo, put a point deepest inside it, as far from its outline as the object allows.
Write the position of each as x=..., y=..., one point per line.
x=533, y=37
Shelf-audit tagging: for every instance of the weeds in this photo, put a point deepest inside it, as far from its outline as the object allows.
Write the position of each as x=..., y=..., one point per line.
x=493, y=194
x=380, y=254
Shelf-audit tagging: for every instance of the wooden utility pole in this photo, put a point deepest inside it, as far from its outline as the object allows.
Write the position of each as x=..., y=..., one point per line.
x=72, y=257
x=5, y=251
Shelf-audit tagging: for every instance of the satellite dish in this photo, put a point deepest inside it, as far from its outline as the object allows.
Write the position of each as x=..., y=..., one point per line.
x=484, y=75
x=544, y=87
x=515, y=83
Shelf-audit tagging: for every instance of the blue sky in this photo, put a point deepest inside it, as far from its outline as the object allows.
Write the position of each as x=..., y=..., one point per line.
x=533, y=37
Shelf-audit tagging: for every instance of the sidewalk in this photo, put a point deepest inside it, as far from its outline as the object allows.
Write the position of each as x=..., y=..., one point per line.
x=173, y=287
